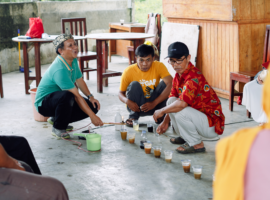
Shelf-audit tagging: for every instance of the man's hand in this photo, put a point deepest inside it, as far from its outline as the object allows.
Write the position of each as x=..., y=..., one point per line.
x=96, y=121
x=148, y=106
x=158, y=114
x=133, y=106
x=93, y=101
x=162, y=127
x=259, y=80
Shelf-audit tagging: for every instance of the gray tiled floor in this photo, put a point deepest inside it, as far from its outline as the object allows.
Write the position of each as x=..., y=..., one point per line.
x=120, y=170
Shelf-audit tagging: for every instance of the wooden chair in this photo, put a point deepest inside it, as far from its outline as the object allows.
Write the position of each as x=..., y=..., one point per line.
x=245, y=77
x=1, y=83
x=84, y=55
x=131, y=50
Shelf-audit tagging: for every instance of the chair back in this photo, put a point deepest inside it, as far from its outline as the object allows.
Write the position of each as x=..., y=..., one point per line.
x=266, y=52
x=75, y=30
x=158, y=23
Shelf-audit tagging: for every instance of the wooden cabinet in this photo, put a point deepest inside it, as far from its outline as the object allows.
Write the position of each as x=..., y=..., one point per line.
x=119, y=47
x=231, y=35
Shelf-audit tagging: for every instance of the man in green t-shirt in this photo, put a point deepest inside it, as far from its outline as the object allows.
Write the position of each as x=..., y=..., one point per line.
x=58, y=97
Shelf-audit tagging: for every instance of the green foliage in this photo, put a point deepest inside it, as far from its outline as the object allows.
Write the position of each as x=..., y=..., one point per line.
x=143, y=7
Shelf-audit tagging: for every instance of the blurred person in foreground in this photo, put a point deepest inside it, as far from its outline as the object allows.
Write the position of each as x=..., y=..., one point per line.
x=242, y=161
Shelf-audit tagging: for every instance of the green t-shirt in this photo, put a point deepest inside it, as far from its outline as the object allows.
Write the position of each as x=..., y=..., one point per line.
x=57, y=78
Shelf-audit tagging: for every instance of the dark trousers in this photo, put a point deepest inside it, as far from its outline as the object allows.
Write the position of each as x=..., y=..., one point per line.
x=63, y=107
x=16, y=184
x=17, y=147
x=135, y=93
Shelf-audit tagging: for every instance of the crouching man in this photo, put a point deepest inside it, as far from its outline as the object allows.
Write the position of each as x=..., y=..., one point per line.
x=57, y=95
x=141, y=89
x=193, y=106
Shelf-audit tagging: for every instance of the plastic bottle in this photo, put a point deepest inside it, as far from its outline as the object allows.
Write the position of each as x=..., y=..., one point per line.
x=117, y=119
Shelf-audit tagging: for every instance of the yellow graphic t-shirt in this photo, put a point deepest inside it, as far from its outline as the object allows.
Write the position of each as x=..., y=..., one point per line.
x=149, y=80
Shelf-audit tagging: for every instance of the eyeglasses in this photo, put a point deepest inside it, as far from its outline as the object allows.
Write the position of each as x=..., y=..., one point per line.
x=179, y=62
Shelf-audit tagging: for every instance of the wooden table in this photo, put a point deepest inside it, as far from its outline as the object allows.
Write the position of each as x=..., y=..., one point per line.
x=36, y=43
x=119, y=47
x=102, y=53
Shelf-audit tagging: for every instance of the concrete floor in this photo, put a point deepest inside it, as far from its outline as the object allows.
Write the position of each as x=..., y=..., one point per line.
x=121, y=170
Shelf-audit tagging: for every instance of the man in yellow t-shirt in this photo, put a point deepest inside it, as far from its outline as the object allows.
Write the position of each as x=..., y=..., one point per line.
x=141, y=89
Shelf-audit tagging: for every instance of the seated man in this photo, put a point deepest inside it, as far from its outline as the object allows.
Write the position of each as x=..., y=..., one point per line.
x=252, y=95
x=16, y=182
x=18, y=148
x=242, y=161
x=193, y=107
x=140, y=88
x=57, y=95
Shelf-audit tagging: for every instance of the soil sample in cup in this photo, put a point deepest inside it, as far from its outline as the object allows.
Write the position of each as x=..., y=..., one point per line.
x=123, y=134
x=168, y=156
x=147, y=150
x=131, y=140
x=157, y=151
x=197, y=170
x=131, y=137
x=186, y=165
x=197, y=176
x=147, y=147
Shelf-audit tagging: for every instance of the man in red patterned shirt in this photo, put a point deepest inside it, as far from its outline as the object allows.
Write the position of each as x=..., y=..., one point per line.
x=193, y=106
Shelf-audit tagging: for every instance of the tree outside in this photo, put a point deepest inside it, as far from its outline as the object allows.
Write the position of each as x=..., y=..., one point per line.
x=143, y=7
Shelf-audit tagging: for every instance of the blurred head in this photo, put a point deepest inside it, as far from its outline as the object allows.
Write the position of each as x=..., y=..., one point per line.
x=145, y=57
x=179, y=56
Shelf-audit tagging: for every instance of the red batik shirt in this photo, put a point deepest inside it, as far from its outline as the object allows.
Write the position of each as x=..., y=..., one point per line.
x=193, y=88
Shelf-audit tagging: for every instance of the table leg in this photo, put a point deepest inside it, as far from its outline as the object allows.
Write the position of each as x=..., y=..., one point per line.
x=232, y=82
x=112, y=45
x=1, y=84
x=37, y=63
x=99, y=66
x=137, y=43
x=105, y=61
x=26, y=67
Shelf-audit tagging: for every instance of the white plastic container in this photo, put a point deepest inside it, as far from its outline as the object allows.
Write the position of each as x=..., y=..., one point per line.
x=117, y=119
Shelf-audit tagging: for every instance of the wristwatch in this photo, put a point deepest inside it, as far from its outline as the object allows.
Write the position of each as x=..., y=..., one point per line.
x=90, y=95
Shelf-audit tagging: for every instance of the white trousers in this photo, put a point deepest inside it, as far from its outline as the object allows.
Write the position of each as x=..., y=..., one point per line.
x=191, y=124
x=252, y=99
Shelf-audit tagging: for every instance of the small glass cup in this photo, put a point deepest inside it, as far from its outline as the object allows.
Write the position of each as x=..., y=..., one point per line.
x=168, y=155
x=147, y=147
x=197, y=170
x=136, y=125
x=131, y=137
x=186, y=165
x=150, y=128
x=157, y=151
x=122, y=21
x=123, y=132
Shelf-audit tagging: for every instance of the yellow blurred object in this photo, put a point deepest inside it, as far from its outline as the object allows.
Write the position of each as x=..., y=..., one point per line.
x=154, y=47
x=232, y=155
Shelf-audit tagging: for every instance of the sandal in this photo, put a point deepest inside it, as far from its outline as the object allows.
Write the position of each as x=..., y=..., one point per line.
x=131, y=122
x=189, y=149
x=178, y=140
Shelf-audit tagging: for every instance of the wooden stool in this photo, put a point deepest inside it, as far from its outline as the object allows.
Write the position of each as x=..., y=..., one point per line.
x=243, y=77
x=1, y=84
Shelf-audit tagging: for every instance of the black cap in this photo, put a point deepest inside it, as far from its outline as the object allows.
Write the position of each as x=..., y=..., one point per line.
x=177, y=50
